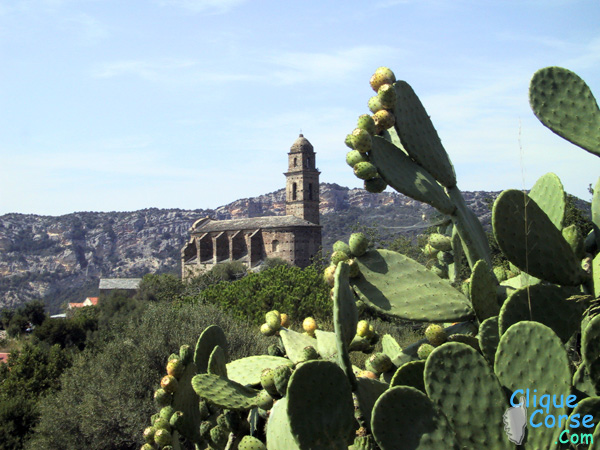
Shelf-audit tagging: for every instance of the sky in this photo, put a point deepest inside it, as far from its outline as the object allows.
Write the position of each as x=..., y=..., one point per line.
x=123, y=105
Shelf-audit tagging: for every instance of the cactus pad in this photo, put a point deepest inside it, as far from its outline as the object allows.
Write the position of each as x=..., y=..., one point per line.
x=419, y=137
x=279, y=434
x=345, y=313
x=549, y=305
x=326, y=344
x=462, y=384
x=410, y=374
x=367, y=393
x=186, y=400
x=483, y=291
x=582, y=381
x=217, y=362
x=247, y=371
x=295, y=343
x=224, y=393
x=542, y=363
x=489, y=337
x=590, y=349
x=395, y=284
x=563, y=102
x=208, y=340
x=549, y=195
x=405, y=415
x=529, y=239
x=325, y=418
x=407, y=177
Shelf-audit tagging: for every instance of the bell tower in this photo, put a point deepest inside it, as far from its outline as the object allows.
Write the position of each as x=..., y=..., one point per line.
x=302, y=182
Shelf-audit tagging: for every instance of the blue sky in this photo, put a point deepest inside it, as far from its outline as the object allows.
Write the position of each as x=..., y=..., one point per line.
x=122, y=105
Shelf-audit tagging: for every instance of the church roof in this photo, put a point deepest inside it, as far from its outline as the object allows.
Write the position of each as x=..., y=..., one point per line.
x=301, y=145
x=252, y=223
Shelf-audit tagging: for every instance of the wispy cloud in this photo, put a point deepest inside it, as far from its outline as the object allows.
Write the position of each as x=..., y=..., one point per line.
x=203, y=6
x=296, y=67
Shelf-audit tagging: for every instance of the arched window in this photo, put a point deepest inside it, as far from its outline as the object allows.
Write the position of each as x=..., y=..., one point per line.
x=294, y=189
x=308, y=163
x=310, y=196
x=275, y=246
x=295, y=162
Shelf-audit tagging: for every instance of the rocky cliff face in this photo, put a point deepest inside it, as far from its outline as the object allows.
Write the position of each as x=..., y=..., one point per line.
x=61, y=258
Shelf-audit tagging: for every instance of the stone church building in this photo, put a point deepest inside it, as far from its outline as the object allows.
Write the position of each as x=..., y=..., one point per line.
x=295, y=237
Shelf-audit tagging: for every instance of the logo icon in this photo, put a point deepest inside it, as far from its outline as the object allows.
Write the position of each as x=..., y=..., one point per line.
x=515, y=422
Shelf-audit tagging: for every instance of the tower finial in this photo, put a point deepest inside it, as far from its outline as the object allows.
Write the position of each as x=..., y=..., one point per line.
x=301, y=135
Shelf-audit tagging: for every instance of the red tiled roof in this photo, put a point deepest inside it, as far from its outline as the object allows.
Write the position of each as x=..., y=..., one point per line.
x=4, y=357
x=94, y=300
x=75, y=305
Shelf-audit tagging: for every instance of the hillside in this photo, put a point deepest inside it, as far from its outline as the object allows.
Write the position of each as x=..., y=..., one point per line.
x=61, y=259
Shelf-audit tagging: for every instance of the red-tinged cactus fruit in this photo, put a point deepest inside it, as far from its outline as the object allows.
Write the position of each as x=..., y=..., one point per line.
x=387, y=96
x=367, y=374
x=366, y=123
x=169, y=383
x=361, y=139
x=354, y=157
x=328, y=275
x=365, y=170
x=382, y=75
x=375, y=104
x=175, y=367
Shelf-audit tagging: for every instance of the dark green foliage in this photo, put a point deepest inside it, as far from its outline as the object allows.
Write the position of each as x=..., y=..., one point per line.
x=574, y=215
x=228, y=271
x=106, y=397
x=164, y=287
x=18, y=320
x=17, y=416
x=297, y=292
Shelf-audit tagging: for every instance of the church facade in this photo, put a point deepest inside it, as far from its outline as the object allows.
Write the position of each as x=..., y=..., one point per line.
x=295, y=237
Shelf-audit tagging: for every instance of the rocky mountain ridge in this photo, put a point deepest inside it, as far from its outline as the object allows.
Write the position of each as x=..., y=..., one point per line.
x=62, y=258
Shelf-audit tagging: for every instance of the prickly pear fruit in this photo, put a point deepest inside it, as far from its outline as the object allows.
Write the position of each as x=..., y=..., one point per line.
x=353, y=157
x=266, y=330
x=341, y=246
x=309, y=353
x=309, y=325
x=362, y=328
x=205, y=429
x=429, y=251
x=149, y=435
x=500, y=273
x=329, y=275
x=281, y=376
x=219, y=436
x=169, y=383
x=162, y=397
x=186, y=354
x=375, y=105
x=163, y=437
x=440, y=242
x=382, y=75
x=147, y=446
x=176, y=420
x=387, y=96
x=380, y=362
x=251, y=443
x=354, y=268
x=264, y=400
x=285, y=320
x=358, y=243
x=383, y=120
x=365, y=170
x=435, y=334
x=361, y=139
x=445, y=258
x=166, y=412
x=338, y=257
x=367, y=374
x=366, y=123
x=267, y=381
x=175, y=367
x=161, y=423
x=375, y=185
x=349, y=141
x=441, y=270
x=172, y=356
x=273, y=319
x=204, y=410
x=424, y=351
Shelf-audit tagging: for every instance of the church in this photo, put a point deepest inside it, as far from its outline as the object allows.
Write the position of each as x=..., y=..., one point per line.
x=295, y=237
